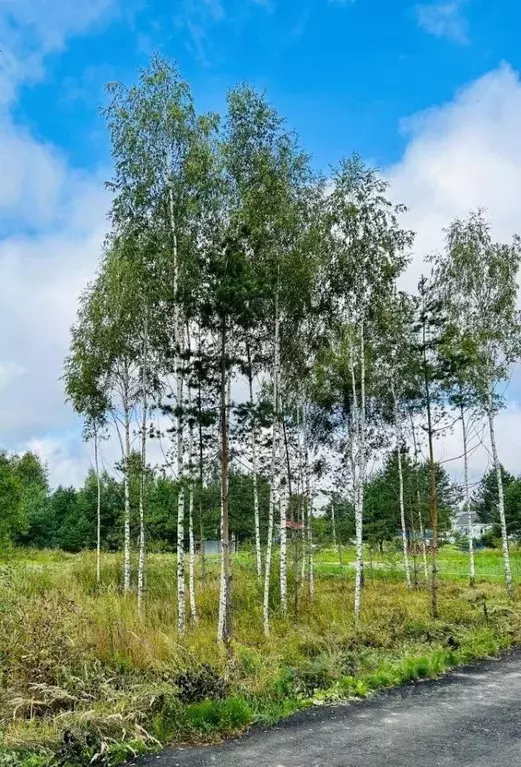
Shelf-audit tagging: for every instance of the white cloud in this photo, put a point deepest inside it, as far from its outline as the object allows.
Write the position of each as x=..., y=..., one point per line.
x=460, y=156
x=68, y=459
x=443, y=19
x=9, y=371
x=41, y=278
x=52, y=224
x=31, y=29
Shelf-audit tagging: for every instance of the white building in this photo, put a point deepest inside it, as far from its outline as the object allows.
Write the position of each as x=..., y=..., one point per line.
x=460, y=525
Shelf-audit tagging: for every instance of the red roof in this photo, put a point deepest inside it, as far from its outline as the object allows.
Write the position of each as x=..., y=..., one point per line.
x=294, y=525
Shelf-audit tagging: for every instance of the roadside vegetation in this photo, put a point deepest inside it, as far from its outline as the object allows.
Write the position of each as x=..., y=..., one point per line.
x=87, y=679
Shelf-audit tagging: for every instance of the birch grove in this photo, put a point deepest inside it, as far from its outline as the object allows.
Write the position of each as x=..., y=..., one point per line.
x=251, y=311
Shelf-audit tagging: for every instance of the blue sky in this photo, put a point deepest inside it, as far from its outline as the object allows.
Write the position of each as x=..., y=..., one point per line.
x=429, y=92
x=343, y=73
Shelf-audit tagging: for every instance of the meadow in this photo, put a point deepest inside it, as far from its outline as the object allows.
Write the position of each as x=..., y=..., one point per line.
x=453, y=563
x=87, y=679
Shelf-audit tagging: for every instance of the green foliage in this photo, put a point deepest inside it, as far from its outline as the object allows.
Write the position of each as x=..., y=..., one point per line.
x=102, y=682
x=485, y=498
x=66, y=517
x=382, y=511
x=211, y=716
x=23, y=496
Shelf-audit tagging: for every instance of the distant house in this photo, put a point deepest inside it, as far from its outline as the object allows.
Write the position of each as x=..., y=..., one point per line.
x=290, y=525
x=460, y=525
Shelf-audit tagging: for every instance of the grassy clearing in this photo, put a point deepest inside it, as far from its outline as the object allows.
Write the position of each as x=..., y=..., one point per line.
x=453, y=564
x=85, y=677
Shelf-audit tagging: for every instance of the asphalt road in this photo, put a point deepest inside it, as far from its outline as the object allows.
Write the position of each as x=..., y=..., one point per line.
x=470, y=717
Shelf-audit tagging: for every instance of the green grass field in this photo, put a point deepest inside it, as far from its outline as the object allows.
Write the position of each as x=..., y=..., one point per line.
x=85, y=677
x=453, y=563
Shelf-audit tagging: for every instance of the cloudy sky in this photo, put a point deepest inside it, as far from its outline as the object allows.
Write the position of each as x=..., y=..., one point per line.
x=429, y=92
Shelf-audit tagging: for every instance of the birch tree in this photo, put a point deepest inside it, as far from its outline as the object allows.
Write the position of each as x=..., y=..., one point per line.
x=478, y=281
x=369, y=251
x=268, y=179
x=104, y=359
x=160, y=151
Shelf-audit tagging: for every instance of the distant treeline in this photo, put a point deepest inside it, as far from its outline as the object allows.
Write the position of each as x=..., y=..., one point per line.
x=35, y=515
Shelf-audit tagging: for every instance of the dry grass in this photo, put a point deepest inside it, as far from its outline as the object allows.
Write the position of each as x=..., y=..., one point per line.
x=85, y=676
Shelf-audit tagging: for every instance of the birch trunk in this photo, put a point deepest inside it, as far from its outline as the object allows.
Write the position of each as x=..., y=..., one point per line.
x=398, y=430
x=309, y=509
x=304, y=538
x=271, y=514
x=433, y=501
x=311, y=558
x=191, y=561
x=472, y=564
x=191, y=539
x=224, y=624
x=422, y=536
x=98, y=507
x=413, y=549
x=142, y=483
x=281, y=493
x=358, y=492
x=201, y=482
x=253, y=437
x=301, y=489
x=126, y=555
x=418, y=502
x=501, y=499
x=333, y=524
x=181, y=621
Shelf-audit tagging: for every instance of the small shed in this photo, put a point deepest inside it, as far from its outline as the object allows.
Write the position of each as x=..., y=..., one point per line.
x=212, y=548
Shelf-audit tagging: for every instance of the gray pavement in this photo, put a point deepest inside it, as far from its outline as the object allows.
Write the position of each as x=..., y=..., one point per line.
x=470, y=717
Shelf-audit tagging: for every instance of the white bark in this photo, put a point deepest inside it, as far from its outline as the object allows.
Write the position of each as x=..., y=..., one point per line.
x=501, y=500
x=358, y=485
x=271, y=514
x=98, y=507
x=282, y=491
x=253, y=436
x=191, y=562
x=181, y=619
x=301, y=487
x=308, y=509
x=333, y=523
x=422, y=535
x=311, y=558
x=142, y=482
x=398, y=429
x=304, y=539
x=178, y=341
x=418, y=502
x=223, y=626
x=472, y=564
x=126, y=482
x=191, y=539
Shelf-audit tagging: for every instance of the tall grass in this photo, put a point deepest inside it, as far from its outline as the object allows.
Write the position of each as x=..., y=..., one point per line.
x=84, y=675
